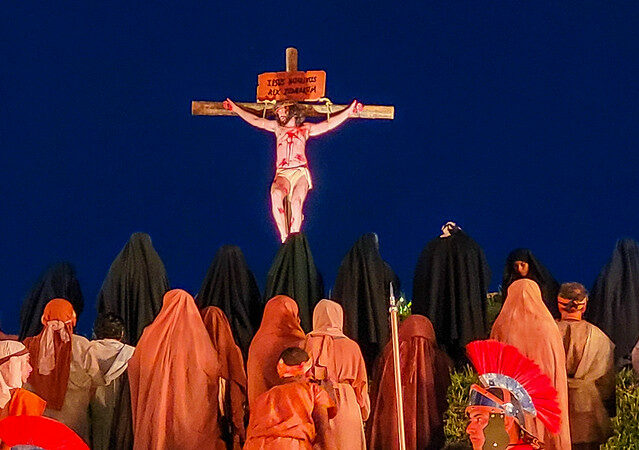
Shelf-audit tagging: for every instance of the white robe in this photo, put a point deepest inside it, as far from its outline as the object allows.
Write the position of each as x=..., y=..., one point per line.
x=113, y=360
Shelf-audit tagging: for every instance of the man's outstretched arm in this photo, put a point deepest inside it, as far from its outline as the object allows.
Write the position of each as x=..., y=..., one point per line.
x=320, y=128
x=252, y=119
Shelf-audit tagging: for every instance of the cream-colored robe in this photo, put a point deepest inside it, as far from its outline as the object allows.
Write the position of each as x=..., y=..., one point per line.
x=113, y=359
x=84, y=376
x=591, y=380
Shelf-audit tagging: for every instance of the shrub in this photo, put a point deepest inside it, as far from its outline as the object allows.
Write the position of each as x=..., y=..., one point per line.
x=624, y=425
x=455, y=417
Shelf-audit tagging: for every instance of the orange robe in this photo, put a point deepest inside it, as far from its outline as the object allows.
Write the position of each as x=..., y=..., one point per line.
x=282, y=418
x=339, y=360
x=279, y=330
x=525, y=322
x=173, y=376
x=22, y=403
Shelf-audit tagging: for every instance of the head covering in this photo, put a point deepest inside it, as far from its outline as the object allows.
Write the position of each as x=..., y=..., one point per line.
x=526, y=323
x=536, y=272
x=328, y=323
x=230, y=285
x=280, y=329
x=297, y=370
x=231, y=367
x=362, y=287
x=12, y=354
x=134, y=286
x=58, y=281
x=449, y=287
x=293, y=273
x=425, y=378
x=614, y=299
x=173, y=376
x=51, y=353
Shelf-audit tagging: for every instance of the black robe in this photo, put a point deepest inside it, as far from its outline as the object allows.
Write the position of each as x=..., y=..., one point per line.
x=536, y=272
x=449, y=287
x=293, y=273
x=362, y=287
x=58, y=281
x=230, y=285
x=134, y=287
x=613, y=304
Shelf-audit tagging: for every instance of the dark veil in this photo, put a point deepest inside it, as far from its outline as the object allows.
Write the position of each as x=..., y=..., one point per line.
x=134, y=287
x=293, y=273
x=449, y=287
x=362, y=287
x=536, y=272
x=613, y=304
x=58, y=281
x=230, y=285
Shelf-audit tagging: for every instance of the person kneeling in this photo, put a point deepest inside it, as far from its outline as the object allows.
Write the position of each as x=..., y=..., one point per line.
x=294, y=414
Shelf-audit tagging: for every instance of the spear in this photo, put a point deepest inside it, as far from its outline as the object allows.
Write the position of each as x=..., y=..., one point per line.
x=399, y=397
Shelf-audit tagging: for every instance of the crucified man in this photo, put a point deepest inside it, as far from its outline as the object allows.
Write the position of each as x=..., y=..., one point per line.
x=292, y=178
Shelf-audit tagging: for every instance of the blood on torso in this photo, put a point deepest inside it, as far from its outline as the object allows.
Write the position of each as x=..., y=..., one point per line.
x=291, y=146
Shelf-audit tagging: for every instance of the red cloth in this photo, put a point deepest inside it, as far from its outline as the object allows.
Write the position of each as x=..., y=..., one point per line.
x=52, y=387
x=526, y=323
x=280, y=329
x=173, y=376
x=282, y=417
x=40, y=432
x=425, y=379
x=231, y=365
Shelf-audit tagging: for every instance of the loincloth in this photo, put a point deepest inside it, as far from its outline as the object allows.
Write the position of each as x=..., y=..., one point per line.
x=293, y=175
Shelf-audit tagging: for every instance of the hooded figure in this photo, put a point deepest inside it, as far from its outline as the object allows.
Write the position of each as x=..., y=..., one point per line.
x=339, y=360
x=521, y=263
x=114, y=358
x=362, y=287
x=293, y=273
x=449, y=287
x=614, y=300
x=66, y=370
x=280, y=329
x=173, y=376
x=230, y=285
x=58, y=281
x=526, y=323
x=232, y=375
x=134, y=286
x=425, y=379
x=14, y=371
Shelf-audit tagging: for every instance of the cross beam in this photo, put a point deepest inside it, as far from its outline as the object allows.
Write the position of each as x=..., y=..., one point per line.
x=206, y=108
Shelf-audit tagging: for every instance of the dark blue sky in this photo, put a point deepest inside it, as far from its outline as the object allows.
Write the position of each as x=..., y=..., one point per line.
x=518, y=120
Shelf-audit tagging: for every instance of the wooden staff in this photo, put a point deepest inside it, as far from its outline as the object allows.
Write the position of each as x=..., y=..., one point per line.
x=399, y=396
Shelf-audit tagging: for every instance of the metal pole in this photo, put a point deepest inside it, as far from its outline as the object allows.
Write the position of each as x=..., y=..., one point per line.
x=399, y=397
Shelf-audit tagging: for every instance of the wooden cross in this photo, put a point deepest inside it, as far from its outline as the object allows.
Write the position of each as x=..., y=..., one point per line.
x=204, y=108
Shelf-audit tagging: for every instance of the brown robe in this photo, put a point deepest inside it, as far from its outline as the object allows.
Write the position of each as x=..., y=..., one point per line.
x=280, y=329
x=526, y=323
x=232, y=374
x=425, y=379
x=591, y=380
x=339, y=360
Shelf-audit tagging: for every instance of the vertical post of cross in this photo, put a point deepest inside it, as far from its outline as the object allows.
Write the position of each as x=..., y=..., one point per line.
x=291, y=59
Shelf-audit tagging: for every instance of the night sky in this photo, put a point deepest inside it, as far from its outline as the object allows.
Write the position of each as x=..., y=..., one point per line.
x=517, y=120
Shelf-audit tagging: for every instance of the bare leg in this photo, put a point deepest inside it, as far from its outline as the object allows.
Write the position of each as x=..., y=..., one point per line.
x=279, y=191
x=297, y=202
